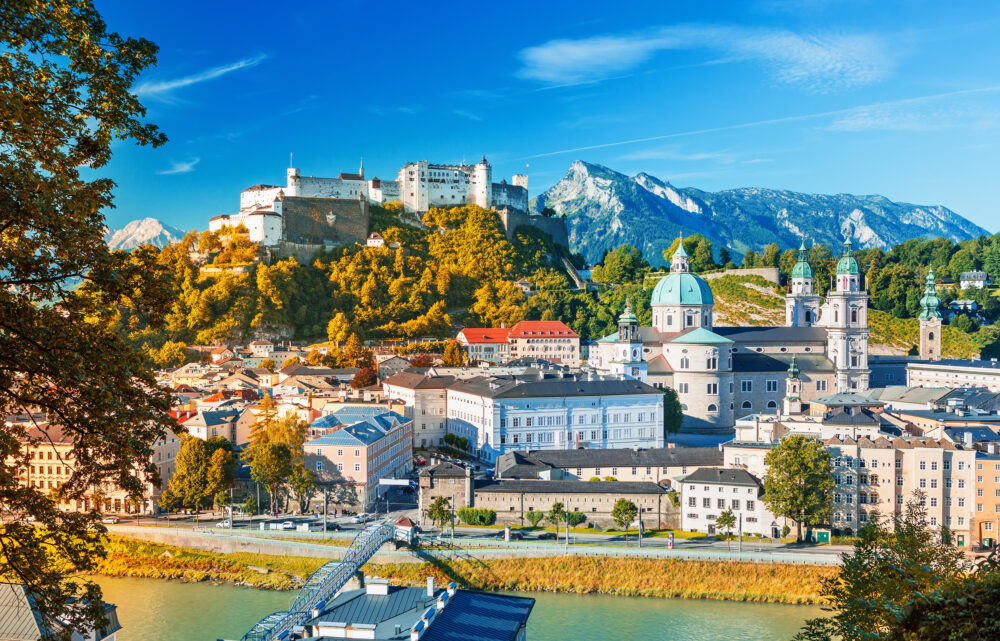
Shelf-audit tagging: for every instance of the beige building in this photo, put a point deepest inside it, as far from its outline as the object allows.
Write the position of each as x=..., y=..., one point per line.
x=448, y=480
x=513, y=499
x=880, y=476
x=425, y=398
x=986, y=519
x=547, y=340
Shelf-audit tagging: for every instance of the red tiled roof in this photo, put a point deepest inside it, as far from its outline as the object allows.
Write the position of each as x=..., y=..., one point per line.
x=404, y=522
x=485, y=334
x=541, y=328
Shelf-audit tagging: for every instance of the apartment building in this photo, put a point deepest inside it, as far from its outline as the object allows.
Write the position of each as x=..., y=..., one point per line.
x=425, y=400
x=360, y=454
x=986, y=519
x=709, y=491
x=50, y=464
x=878, y=477
x=485, y=344
x=954, y=372
x=548, y=340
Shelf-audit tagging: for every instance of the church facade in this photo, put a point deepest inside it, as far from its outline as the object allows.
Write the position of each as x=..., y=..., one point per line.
x=723, y=373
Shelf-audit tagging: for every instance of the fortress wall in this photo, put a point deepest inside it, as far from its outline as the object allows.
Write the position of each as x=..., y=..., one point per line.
x=555, y=227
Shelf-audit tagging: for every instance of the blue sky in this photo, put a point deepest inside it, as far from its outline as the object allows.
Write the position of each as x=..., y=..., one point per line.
x=823, y=96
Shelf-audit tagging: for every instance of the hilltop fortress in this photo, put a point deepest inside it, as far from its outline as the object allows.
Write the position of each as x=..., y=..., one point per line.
x=313, y=212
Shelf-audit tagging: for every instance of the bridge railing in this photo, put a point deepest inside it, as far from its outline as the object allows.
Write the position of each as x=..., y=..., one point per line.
x=322, y=585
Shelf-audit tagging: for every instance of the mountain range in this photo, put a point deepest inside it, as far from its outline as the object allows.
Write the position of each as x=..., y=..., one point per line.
x=605, y=209
x=139, y=232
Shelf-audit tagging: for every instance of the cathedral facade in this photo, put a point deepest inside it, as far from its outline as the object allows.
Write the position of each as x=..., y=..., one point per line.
x=723, y=373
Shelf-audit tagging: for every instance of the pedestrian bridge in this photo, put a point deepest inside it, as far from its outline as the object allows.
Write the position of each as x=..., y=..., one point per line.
x=322, y=585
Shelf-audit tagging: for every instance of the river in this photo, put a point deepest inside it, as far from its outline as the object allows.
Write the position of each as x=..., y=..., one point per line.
x=154, y=610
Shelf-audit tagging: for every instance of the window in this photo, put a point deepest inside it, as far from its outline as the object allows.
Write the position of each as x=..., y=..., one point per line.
x=712, y=407
x=692, y=502
x=736, y=504
x=685, y=363
x=340, y=467
x=706, y=503
x=682, y=388
x=746, y=386
x=750, y=506
x=923, y=465
x=712, y=388
x=933, y=465
x=771, y=386
x=746, y=405
x=721, y=503
x=340, y=452
x=357, y=467
x=820, y=386
x=771, y=405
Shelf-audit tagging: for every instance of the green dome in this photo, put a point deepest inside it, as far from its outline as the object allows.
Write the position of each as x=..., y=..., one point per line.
x=847, y=263
x=682, y=288
x=802, y=270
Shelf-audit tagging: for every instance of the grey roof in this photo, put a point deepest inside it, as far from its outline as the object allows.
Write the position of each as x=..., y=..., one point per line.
x=846, y=399
x=959, y=362
x=357, y=606
x=19, y=620
x=782, y=335
x=722, y=476
x=365, y=432
x=754, y=362
x=856, y=418
x=510, y=387
x=480, y=616
x=444, y=470
x=905, y=394
x=946, y=416
x=411, y=379
x=521, y=464
x=570, y=487
x=979, y=434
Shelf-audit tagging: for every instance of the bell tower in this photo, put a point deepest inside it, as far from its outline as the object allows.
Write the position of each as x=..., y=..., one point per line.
x=846, y=319
x=792, y=403
x=802, y=304
x=628, y=359
x=930, y=321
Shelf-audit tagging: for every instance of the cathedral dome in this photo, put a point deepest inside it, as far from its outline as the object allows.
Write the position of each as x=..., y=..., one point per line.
x=802, y=268
x=682, y=288
x=847, y=263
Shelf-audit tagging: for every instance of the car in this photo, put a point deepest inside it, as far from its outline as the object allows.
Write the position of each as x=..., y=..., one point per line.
x=110, y=520
x=287, y=525
x=226, y=523
x=420, y=461
x=359, y=518
x=335, y=527
x=546, y=536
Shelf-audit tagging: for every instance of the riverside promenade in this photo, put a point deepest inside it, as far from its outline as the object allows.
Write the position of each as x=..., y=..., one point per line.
x=332, y=545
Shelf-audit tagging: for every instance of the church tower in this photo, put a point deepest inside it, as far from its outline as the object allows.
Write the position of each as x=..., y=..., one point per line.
x=792, y=403
x=628, y=359
x=802, y=304
x=846, y=320
x=930, y=321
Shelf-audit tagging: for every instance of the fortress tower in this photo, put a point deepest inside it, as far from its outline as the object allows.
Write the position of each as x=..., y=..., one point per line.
x=482, y=184
x=930, y=321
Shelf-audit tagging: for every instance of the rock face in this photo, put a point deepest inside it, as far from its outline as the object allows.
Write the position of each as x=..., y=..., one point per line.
x=139, y=232
x=604, y=209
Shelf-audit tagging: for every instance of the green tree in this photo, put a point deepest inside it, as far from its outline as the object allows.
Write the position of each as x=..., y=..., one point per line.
x=303, y=482
x=271, y=467
x=250, y=506
x=556, y=516
x=885, y=586
x=576, y=518
x=623, y=264
x=798, y=481
x=673, y=414
x=726, y=521
x=190, y=479
x=439, y=512
x=624, y=513
x=66, y=95
x=169, y=501
x=534, y=517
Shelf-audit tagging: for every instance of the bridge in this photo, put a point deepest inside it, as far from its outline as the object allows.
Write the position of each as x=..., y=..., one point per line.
x=322, y=585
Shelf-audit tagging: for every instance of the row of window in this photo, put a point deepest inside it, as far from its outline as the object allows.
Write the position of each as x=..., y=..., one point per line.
x=721, y=503
x=848, y=461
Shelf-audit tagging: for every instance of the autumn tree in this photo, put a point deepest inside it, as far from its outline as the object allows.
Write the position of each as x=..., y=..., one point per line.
x=66, y=92
x=190, y=479
x=366, y=377
x=221, y=472
x=453, y=355
x=271, y=467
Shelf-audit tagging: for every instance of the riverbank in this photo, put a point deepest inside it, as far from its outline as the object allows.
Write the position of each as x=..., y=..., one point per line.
x=722, y=580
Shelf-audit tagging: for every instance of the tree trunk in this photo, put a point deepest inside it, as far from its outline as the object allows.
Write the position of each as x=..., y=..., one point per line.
x=798, y=528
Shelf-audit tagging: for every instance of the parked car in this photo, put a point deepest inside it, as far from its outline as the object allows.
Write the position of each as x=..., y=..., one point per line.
x=226, y=523
x=546, y=536
x=420, y=461
x=360, y=518
x=287, y=525
x=110, y=520
x=335, y=527
x=514, y=535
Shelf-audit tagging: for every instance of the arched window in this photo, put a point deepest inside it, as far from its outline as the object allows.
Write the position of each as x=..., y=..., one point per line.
x=685, y=363
x=854, y=315
x=684, y=407
x=771, y=405
x=747, y=405
x=809, y=316
x=930, y=336
x=712, y=407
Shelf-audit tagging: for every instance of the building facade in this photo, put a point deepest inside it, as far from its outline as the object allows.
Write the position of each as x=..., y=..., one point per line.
x=954, y=372
x=708, y=492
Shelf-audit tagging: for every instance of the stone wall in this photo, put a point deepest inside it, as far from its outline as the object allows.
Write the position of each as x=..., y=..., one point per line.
x=555, y=227
x=324, y=221
x=657, y=510
x=771, y=274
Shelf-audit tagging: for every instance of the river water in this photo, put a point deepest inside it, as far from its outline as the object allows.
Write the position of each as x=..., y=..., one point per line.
x=154, y=610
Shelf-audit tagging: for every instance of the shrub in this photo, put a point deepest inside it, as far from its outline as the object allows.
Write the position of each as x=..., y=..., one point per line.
x=477, y=516
x=534, y=517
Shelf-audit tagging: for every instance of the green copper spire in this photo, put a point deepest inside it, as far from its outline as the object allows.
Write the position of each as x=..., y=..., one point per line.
x=793, y=368
x=930, y=303
x=847, y=263
x=680, y=246
x=802, y=268
x=627, y=315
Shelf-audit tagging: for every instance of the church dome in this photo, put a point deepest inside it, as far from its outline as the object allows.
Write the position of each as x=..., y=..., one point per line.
x=847, y=263
x=682, y=288
x=930, y=303
x=802, y=268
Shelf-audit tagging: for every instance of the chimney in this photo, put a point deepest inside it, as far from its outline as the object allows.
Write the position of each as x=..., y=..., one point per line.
x=451, y=589
x=430, y=587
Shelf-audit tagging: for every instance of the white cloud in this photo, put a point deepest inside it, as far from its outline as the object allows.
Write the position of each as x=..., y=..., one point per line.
x=179, y=168
x=820, y=62
x=162, y=90
x=465, y=114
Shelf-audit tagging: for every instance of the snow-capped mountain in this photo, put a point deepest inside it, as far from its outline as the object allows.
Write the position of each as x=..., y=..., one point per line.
x=604, y=209
x=140, y=232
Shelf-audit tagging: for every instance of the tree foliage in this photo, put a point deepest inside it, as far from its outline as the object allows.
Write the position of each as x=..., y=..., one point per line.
x=190, y=482
x=66, y=92
x=673, y=415
x=799, y=481
x=534, y=517
x=623, y=513
x=439, y=512
x=271, y=467
x=726, y=521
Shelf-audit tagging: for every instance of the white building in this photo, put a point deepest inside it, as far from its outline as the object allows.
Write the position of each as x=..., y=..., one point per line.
x=974, y=280
x=425, y=398
x=709, y=491
x=954, y=372
x=722, y=373
x=423, y=185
